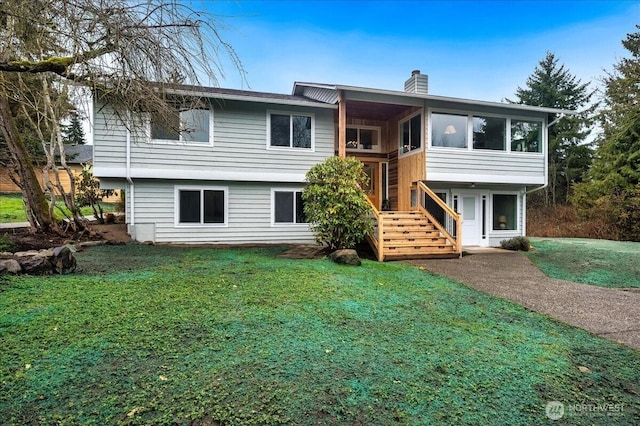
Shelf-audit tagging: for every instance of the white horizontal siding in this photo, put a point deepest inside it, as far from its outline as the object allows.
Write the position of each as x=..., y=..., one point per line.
x=249, y=215
x=109, y=136
x=463, y=165
x=239, y=146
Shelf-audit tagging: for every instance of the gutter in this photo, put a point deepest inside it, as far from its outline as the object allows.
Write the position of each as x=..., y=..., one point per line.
x=128, y=173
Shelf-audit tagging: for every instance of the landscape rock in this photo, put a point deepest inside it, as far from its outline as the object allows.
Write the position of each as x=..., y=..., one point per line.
x=346, y=257
x=9, y=266
x=59, y=260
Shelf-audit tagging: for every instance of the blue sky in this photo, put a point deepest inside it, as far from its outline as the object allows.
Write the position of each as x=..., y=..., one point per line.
x=470, y=49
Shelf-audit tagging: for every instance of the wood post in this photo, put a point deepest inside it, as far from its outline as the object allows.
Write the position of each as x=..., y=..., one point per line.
x=342, y=125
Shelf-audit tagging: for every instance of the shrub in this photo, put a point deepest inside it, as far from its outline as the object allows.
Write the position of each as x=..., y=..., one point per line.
x=516, y=243
x=335, y=204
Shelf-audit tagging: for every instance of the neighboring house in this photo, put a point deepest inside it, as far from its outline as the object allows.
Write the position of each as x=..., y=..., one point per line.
x=237, y=176
x=77, y=157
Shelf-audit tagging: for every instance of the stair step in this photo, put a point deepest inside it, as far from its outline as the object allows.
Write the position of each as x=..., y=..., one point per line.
x=399, y=234
x=406, y=222
x=411, y=250
x=414, y=242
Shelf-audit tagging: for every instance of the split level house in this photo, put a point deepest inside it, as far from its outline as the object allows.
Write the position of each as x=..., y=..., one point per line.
x=444, y=172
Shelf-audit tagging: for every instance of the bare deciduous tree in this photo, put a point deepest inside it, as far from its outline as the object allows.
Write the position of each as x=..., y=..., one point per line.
x=123, y=51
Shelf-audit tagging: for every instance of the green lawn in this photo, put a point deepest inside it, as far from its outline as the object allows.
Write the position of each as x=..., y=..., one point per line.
x=12, y=208
x=165, y=335
x=599, y=262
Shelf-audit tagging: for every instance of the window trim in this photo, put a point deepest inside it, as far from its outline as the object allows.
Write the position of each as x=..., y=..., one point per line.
x=181, y=140
x=359, y=127
x=470, y=115
x=312, y=148
x=518, y=229
x=422, y=134
x=176, y=208
x=273, y=209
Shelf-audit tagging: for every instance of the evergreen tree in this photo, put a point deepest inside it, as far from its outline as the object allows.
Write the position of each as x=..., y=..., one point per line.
x=612, y=189
x=73, y=133
x=552, y=85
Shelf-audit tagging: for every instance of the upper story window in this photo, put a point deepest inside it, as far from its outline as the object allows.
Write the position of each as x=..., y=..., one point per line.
x=489, y=133
x=449, y=130
x=363, y=138
x=526, y=136
x=201, y=206
x=290, y=130
x=192, y=125
x=411, y=134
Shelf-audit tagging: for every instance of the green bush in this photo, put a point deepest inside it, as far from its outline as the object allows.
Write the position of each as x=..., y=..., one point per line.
x=335, y=204
x=516, y=243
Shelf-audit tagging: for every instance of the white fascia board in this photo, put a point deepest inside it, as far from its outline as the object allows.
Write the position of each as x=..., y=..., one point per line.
x=221, y=175
x=232, y=97
x=485, y=178
x=517, y=107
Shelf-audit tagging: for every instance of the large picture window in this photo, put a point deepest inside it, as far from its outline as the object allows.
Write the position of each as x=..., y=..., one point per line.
x=184, y=126
x=489, y=133
x=201, y=206
x=526, y=136
x=411, y=134
x=505, y=212
x=449, y=130
x=290, y=130
x=288, y=207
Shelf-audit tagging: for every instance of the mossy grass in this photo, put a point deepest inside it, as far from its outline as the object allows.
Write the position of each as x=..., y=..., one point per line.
x=604, y=263
x=172, y=335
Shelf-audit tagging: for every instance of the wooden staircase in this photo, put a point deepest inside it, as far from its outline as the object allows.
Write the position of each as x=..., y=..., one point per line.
x=411, y=235
x=416, y=234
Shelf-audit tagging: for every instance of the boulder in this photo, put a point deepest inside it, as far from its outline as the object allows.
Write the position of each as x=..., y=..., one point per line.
x=35, y=265
x=63, y=261
x=9, y=266
x=346, y=257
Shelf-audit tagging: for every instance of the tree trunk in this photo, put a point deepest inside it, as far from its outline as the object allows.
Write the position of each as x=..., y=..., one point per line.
x=37, y=206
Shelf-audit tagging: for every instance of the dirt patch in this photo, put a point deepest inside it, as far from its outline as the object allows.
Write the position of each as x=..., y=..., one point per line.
x=23, y=239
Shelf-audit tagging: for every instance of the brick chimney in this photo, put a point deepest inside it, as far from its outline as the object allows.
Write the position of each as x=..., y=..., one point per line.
x=417, y=83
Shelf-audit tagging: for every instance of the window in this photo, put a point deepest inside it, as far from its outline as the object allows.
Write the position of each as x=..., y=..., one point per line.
x=489, y=133
x=288, y=207
x=505, y=212
x=201, y=206
x=411, y=134
x=526, y=136
x=187, y=126
x=363, y=138
x=290, y=130
x=449, y=130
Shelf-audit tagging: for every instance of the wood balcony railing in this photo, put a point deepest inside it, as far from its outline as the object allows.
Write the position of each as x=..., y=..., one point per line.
x=450, y=223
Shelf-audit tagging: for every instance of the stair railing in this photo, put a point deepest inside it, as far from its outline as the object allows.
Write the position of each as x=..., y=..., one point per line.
x=454, y=234
x=376, y=237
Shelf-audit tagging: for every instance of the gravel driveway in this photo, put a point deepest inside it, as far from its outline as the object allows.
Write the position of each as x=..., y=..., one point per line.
x=613, y=314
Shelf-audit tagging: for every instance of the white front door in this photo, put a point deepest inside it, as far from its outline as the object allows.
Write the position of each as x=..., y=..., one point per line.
x=469, y=206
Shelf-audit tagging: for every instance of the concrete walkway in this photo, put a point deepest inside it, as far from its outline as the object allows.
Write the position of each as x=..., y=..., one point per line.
x=612, y=314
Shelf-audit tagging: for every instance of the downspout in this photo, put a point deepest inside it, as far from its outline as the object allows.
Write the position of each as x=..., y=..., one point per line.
x=546, y=158
x=132, y=221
